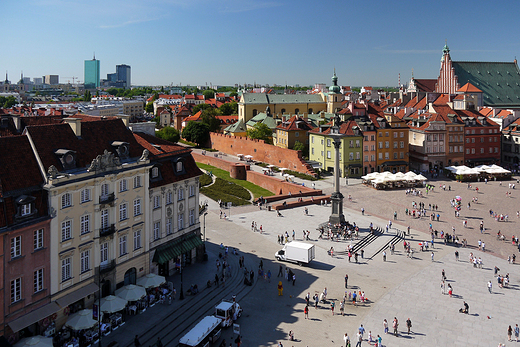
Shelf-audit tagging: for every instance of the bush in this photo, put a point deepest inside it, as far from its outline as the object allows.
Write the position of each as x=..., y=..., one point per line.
x=301, y=175
x=205, y=180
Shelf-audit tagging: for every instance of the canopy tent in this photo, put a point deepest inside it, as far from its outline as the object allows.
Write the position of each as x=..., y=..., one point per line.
x=384, y=177
x=151, y=280
x=81, y=320
x=481, y=169
x=111, y=304
x=248, y=156
x=131, y=292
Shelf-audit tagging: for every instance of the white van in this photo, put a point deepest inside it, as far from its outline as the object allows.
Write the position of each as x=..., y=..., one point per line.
x=206, y=331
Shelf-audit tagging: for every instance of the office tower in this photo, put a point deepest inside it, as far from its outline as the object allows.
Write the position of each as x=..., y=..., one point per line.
x=92, y=74
x=37, y=80
x=112, y=77
x=51, y=79
x=124, y=74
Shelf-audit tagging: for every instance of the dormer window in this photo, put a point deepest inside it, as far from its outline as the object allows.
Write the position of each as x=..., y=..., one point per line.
x=25, y=206
x=25, y=210
x=122, y=149
x=67, y=158
x=179, y=166
x=155, y=172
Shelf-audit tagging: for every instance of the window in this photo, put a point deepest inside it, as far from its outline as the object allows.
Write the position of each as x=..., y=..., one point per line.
x=387, y=155
x=180, y=221
x=482, y=131
x=123, y=185
x=496, y=149
x=137, y=207
x=372, y=138
x=156, y=231
x=473, y=131
x=396, y=144
x=366, y=157
x=104, y=219
x=156, y=201
x=322, y=153
x=179, y=166
x=351, y=156
x=25, y=210
x=296, y=134
x=85, y=261
x=66, y=230
x=16, y=290
x=372, y=157
x=414, y=136
x=401, y=144
x=84, y=224
x=192, y=217
x=137, y=239
x=381, y=134
x=373, y=147
x=322, y=141
x=312, y=150
x=357, y=155
x=473, y=151
x=181, y=194
x=328, y=142
x=122, y=246
x=328, y=154
x=85, y=195
x=137, y=181
x=481, y=150
x=351, y=145
x=16, y=247
x=387, y=134
x=490, y=149
x=380, y=144
x=401, y=155
x=467, y=140
x=401, y=134
x=380, y=156
x=461, y=150
x=192, y=190
x=473, y=140
x=467, y=150
x=366, y=149
x=169, y=197
x=104, y=190
x=395, y=155
x=66, y=269
x=38, y=280
x=312, y=139
x=155, y=172
x=104, y=252
x=169, y=226
x=387, y=144
x=123, y=211
x=66, y=200
x=481, y=139
x=395, y=134
x=467, y=132
x=38, y=239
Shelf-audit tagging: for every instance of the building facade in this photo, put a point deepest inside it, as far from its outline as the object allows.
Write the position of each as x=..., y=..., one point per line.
x=92, y=75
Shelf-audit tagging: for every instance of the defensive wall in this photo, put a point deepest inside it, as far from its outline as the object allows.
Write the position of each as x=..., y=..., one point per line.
x=261, y=151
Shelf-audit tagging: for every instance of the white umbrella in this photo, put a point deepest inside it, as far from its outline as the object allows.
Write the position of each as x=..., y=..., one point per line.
x=420, y=178
x=35, y=341
x=131, y=292
x=248, y=156
x=271, y=165
x=112, y=304
x=81, y=320
x=151, y=280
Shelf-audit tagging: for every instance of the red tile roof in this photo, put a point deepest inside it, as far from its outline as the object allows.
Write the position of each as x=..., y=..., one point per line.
x=295, y=123
x=469, y=88
x=425, y=85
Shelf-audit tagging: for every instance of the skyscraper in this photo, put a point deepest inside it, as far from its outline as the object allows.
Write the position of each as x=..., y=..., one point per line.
x=92, y=74
x=124, y=74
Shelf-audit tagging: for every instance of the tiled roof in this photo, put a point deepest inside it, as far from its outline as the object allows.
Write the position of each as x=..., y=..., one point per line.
x=295, y=123
x=425, y=85
x=499, y=81
x=443, y=99
x=475, y=115
x=486, y=111
x=345, y=128
x=196, y=117
x=161, y=146
x=238, y=127
x=469, y=88
x=96, y=137
x=261, y=98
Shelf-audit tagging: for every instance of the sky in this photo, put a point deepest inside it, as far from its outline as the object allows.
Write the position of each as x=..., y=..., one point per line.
x=228, y=42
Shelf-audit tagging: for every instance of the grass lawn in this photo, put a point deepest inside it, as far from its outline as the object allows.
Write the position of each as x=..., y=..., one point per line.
x=257, y=191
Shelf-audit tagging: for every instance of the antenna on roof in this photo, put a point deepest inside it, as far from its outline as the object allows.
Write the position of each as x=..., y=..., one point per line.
x=94, y=56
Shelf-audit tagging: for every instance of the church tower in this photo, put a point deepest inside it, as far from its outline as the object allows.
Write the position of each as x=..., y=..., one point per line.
x=447, y=81
x=334, y=96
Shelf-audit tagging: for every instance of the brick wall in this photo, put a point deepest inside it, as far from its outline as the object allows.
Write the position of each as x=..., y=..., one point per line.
x=275, y=184
x=281, y=157
x=210, y=159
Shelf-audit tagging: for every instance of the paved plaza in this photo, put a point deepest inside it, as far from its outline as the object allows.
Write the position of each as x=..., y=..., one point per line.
x=400, y=287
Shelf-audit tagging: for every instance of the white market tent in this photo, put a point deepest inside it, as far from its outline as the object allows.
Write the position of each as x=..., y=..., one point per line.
x=482, y=169
x=385, y=177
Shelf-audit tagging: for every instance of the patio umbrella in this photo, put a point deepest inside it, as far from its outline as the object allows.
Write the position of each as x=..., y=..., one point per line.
x=131, y=292
x=420, y=178
x=151, y=280
x=81, y=320
x=35, y=341
x=111, y=304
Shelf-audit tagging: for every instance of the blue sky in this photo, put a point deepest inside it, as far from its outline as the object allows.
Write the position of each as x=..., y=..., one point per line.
x=244, y=41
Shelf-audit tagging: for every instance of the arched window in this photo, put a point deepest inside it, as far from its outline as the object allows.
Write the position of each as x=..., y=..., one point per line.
x=296, y=110
x=255, y=112
x=283, y=110
x=130, y=276
x=310, y=111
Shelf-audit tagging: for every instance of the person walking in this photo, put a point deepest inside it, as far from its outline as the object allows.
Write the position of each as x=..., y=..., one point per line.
x=306, y=312
x=509, y=333
x=342, y=307
x=280, y=271
x=517, y=332
x=395, y=325
x=332, y=305
x=346, y=339
x=433, y=254
x=385, y=326
x=408, y=325
x=359, y=339
x=490, y=286
x=346, y=280
x=361, y=330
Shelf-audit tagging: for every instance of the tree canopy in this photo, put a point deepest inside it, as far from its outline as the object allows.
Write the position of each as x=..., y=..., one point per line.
x=229, y=108
x=200, y=107
x=209, y=117
x=260, y=131
x=7, y=102
x=208, y=94
x=196, y=132
x=168, y=134
x=149, y=107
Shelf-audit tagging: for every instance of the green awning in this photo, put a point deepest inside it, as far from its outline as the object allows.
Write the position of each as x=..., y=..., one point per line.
x=175, y=248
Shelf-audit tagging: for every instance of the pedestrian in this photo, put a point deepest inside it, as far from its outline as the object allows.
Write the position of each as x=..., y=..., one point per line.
x=316, y=301
x=280, y=288
x=379, y=340
x=432, y=255
x=269, y=276
x=384, y=255
x=346, y=280
x=395, y=325
x=517, y=332
x=359, y=339
x=509, y=333
x=137, y=343
x=385, y=326
x=450, y=290
x=332, y=305
x=159, y=342
x=408, y=325
x=346, y=339
x=342, y=307
x=362, y=211
x=490, y=286
x=280, y=271
x=456, y=255
x=307, y=298
x=306, y=311
x=361, y=330
x=293, y=278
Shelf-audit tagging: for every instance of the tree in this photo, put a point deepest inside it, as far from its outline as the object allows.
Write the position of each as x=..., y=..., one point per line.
x=208, y=94
x=199, y=107
x=196, y=132
x=260, y=131
x=7, y=102
x=149, y=107
x=168, y=134
x=233, y=94
x=229, y=108
x=209, y=117
x=87, y=96
x=300, y=146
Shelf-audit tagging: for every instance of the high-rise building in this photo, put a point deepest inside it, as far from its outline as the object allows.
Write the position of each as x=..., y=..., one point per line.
x=51, y=79
x=92, y=74
x=124, y=74
x=112, y=77
x=37, y=80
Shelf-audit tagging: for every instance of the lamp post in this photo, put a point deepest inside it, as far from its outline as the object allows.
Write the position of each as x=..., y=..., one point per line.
x=181, y=295
x=99, y=305
x=336, y=216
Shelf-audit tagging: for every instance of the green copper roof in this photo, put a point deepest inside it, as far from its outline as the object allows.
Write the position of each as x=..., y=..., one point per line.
x=499, y=81
x=334, y=88
x=263, y=118
x=237, y=127
x=261, y=98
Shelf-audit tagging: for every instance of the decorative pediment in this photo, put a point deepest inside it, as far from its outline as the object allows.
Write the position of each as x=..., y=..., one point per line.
x=104, y=162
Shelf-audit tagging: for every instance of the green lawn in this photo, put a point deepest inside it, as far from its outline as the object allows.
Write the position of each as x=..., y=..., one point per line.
x=257, y=191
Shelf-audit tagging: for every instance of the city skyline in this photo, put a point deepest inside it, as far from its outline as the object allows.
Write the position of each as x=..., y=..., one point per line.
x=267, y=42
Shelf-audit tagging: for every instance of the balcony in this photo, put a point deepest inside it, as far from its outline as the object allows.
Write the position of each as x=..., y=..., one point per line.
x=106, y=199
x=109, y=230
x=107, y=267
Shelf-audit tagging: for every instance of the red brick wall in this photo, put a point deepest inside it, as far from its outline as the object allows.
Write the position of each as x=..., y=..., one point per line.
x=281, y=157
x=210, y=159
x=275, y=183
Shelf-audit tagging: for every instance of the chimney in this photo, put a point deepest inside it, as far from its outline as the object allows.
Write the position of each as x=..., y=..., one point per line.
x=494, y=112
x=125, y=118
x=75, y=124
x=16, y=121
